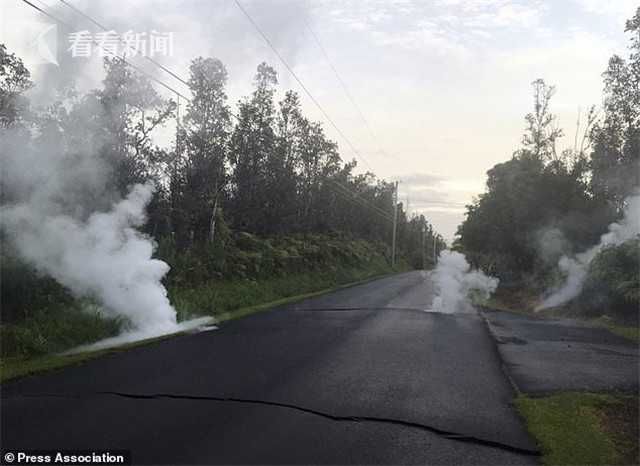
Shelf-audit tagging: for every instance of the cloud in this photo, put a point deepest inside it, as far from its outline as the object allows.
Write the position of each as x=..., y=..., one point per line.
x=199, y=27
x=444, y=27
x=428, y=192
x=422, y=179
x=450, y=78
x=619, y=10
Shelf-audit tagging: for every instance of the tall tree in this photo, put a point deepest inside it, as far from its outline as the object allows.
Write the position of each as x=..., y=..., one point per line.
x=205, y=139
x=539, y=140
x=252, y=143
x=15, y=80
x=283, y=163
x=319, y=162
x=615, y=160
x=131, y=110
x=533, y=193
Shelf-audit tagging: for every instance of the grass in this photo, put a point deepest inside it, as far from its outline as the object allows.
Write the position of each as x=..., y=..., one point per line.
x=40, y=317
x=57, y=327
x=216, y=298
x=583, y=428
x=12, y=367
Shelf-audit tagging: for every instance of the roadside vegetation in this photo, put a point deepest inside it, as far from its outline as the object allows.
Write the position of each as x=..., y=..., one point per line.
x=20, y=361
x=263, y=271
x=547, y=203
x=584, y=428
x=252, y=203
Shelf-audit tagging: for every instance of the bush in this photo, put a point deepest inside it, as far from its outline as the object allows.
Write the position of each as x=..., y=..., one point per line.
x=25, y=291
x=39, y=316
x=57, y=328
x=612, y=285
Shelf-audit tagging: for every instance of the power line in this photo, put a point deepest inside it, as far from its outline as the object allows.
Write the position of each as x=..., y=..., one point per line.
x=348, y=195
x=299, y=81
x=151, y=60
x=313, y=99
x=362, y=202
x=104, y=28
x=346, y=90
x=140, y=70
x=357, y=197
x=166, y=86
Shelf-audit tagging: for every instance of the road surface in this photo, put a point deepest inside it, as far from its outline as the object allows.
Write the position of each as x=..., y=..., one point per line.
x=359, y=376
x=545, y=355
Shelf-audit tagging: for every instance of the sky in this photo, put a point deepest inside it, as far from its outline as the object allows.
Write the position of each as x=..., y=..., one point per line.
x=436, y=91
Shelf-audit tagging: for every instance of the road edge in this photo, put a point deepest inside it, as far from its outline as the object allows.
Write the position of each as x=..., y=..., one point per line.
x=20, y=368
x=496, y=341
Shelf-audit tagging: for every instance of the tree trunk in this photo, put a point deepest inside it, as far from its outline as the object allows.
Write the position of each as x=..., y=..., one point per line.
x=212, y=228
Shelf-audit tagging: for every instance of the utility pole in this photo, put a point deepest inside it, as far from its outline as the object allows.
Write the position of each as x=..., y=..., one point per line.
x=435, y=250
x=424, y=251
x=395, y=225
x=174, y=170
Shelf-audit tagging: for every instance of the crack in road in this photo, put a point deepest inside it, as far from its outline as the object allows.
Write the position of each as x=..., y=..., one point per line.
x=330, y=309
x=415, y=425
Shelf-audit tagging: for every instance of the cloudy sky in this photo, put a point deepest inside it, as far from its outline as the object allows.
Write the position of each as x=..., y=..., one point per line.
x=440, y=87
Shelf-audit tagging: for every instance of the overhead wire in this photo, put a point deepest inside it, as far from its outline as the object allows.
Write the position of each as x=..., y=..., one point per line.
x=137, y=68
x=106, y=29
x=300, y=83
x=356, y=197
x=302, y=86
x=346, y=192
x=346, y=90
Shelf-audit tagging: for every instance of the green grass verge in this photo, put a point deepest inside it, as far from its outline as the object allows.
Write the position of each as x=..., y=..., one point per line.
x=218, y=297
x=58, y=326
x=20, y=366
x=583, y=428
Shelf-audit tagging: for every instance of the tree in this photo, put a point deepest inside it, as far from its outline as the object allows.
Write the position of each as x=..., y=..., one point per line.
x=281, y=165
x=613, y=282
x=319, y=162
x=615, y=159
x=252, y=143
x=15, y=80
x=205, y=138
x=539, y=141
x=527, y=196
x=130, y=111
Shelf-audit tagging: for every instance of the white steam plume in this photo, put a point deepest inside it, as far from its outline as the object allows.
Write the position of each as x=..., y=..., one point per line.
x=576, y=268
x=104, y=257
x=59, y=216
x=455, y=281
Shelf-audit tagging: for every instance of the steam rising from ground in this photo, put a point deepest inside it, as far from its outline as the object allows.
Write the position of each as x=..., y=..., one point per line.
x=59, y=218
x=200, y=324
x=455, y=284
x=104, y=257
x=576, y=268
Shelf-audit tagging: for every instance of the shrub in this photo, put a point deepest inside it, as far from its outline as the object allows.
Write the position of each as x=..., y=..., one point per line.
x=612, y=285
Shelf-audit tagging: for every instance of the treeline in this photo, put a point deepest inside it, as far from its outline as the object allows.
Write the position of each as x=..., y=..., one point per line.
x=259, y=167
x=544, y=203
x=252, y=202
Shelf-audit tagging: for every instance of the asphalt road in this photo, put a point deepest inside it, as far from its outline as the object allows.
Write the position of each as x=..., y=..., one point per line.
x=359, y=376
x=548, y=355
